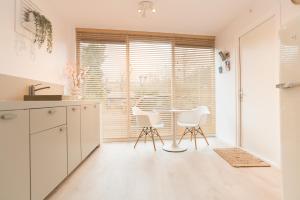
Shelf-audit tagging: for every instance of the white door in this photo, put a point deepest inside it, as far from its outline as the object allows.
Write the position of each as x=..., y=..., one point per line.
x=290, y=108
x=259, y=51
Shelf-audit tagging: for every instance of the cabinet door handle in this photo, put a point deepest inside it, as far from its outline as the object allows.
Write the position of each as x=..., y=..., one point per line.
x=8, y=116
x=74, y=109
x=61, y=129
x=50, y=112
x=84, y=107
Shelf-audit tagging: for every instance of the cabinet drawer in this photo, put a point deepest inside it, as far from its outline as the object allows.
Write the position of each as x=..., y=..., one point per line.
x=46, y=118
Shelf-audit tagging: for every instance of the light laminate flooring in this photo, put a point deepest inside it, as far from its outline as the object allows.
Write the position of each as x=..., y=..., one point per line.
x=116, y=171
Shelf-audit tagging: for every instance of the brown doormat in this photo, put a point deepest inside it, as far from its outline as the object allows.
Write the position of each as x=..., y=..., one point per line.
x=239, y=158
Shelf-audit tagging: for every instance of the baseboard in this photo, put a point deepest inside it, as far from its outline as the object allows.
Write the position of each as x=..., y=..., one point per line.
x=227, y=142
x=270, y=162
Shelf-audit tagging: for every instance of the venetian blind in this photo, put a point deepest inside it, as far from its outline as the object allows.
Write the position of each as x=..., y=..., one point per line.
x=106, y=79
x=149, y=70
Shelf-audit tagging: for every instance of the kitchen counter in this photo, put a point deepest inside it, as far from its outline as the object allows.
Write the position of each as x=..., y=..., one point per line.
x=21, y=105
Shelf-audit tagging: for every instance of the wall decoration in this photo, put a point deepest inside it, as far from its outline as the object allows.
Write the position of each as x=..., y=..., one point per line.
x=32, y=24
x=220, y=70
x=225, y=56
x=43, y=28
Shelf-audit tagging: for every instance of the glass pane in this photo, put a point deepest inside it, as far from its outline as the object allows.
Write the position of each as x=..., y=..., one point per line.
x=106, y=80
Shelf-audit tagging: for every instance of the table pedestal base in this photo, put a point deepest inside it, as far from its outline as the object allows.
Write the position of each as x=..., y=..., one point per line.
x=174, y=148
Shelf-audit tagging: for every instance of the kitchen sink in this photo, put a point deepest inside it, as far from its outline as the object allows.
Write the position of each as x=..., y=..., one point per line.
x=47, y=98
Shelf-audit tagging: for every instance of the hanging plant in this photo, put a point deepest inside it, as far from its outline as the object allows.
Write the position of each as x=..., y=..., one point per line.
x=43, y=29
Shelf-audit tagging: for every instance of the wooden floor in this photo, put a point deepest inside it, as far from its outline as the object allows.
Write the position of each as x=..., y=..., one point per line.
x=118, y=172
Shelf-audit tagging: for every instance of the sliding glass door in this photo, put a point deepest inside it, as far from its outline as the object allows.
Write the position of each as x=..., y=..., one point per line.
x=148, y=72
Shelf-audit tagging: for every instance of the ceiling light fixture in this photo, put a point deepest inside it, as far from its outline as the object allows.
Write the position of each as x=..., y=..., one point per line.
x=145, y=6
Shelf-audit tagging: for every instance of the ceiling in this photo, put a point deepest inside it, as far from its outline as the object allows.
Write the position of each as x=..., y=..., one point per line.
x=205, y=17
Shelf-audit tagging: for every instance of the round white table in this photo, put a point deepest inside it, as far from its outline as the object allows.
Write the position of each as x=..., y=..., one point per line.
x=174, y=147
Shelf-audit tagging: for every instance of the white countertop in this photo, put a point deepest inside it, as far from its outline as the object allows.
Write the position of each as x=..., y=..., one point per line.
x=20, y=105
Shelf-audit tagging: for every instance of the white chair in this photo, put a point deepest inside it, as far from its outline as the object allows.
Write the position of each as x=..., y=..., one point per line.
x=192, y=122
x=149, y=122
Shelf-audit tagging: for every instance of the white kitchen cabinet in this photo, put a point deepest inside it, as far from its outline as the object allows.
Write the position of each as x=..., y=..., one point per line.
x=90, y=135
x=14, y=155
x=48, y=161
x=41, y=143
x=74, y=137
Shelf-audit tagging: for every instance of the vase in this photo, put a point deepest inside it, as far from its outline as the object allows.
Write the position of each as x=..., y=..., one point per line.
x=76, y=93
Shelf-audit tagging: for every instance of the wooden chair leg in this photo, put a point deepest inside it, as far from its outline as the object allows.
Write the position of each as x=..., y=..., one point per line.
x=194, y=133
x=140, y=135
x=184, y=133
x=202, y=133
x=159, y=136
x=152, y=135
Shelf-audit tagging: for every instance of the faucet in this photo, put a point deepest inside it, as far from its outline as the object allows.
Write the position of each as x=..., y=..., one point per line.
x=32, y=89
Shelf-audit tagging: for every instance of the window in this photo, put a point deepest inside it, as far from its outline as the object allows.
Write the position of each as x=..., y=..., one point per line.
x=150, y=71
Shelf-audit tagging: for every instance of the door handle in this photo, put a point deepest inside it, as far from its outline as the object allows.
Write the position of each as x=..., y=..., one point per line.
x=51, y=111
x=288, y=85
x=61, y=129
x=8, y=116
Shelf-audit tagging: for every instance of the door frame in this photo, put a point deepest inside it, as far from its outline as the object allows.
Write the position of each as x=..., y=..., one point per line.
x=273, y=14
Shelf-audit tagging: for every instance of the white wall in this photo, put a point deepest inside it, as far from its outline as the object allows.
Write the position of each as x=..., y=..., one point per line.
x=227, y=84
x=22, y=59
